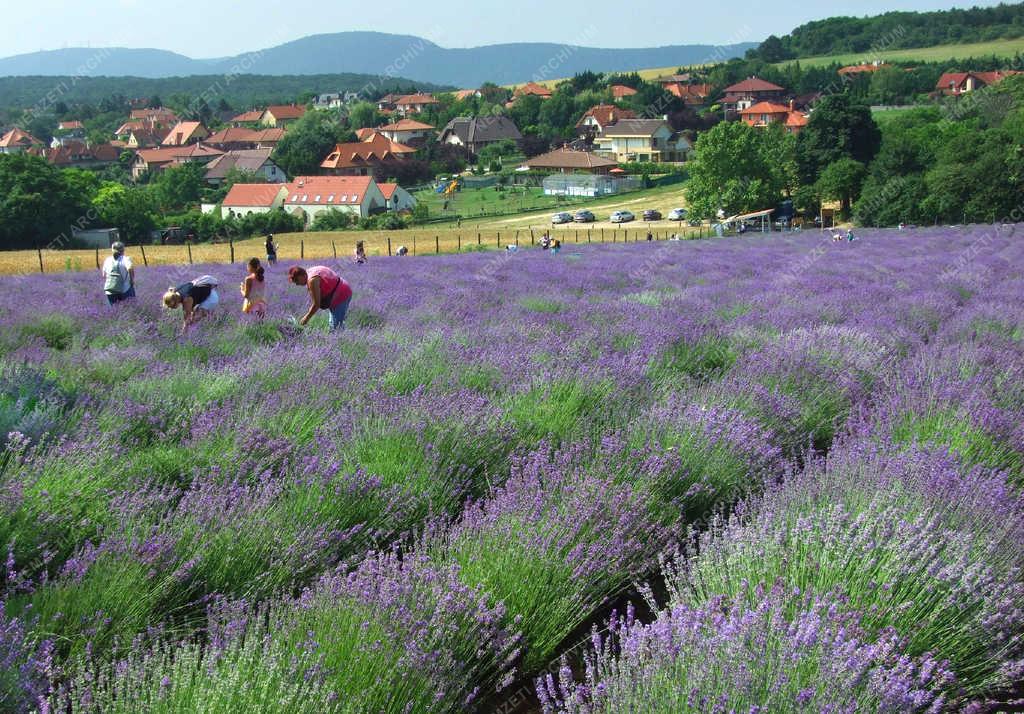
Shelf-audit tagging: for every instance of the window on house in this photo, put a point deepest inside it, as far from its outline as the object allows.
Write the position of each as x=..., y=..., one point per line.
x=330, y=199
x=317, y=199
x=305, y=197
x=295, y=198
x=355, y=199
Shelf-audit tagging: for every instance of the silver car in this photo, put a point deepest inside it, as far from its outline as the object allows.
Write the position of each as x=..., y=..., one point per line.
x=562, y=217
x=622, y=217
x=677, y=214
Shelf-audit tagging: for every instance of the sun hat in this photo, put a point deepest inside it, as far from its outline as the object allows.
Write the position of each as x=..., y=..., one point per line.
x=117, y=247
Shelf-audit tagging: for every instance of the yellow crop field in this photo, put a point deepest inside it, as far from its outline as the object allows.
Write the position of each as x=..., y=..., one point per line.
x=296, y=247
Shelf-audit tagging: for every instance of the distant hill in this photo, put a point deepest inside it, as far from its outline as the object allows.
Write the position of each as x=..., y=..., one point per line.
x=370, y=53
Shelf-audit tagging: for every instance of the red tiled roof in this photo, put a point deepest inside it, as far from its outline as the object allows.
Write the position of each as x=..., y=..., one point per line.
x=159, y=113
x=796, y=119
x=232, y=135
x=861, y=68
x=17, y=137
x=533, y=88
x=466, y=93
x=621, y=90
x=754, y=85
x=766, y=108
x=995, y=77
x=251, y=116
x=688, y=91
x=69, y=125
x=184, y=132
x=327, y=190
x=568, y=159
x=388, y=189
x=171, y=153
x=411, y=99
x=606, y=114
x=405, y=125
x=253, y=194
x=375, y=148
x=286, y=111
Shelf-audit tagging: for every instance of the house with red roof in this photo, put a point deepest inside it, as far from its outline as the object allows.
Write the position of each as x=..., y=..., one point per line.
x=157, y=115
x=764, y=114
x=370, y=156
x=249, y=161
x=749, y=92
x=396, y=198
x=693, y=95
x=866, y=68
x=569, y=161
x=414, y=103
x=601, y=116
x=532, y=88
x=281, y=115
x=155, y=160
x=309, y=196
x=244, y=199
x=80, y=155
x=467, y=93
x=252, y=116
x=620, y=91
x=408, y=131
x=16, y=141
x=956, y=83
x=184, y=133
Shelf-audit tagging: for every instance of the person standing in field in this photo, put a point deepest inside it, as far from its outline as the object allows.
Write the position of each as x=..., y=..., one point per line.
x=327, y=291
x=360, y=252
x=271, y=249
x=118, y=275
x=254, y=289
x=196, y=299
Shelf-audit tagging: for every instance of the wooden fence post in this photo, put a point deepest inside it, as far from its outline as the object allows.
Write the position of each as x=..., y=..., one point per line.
x=588, y=235
x=499, y=239
x=478, y=239
x=334, y=248
x=389, y=245
x=188, y=244
x=577, y=235
x=302, y=250
x=231, y=247
x=531, y=235
x=602, y=235
x=460, y=242
x=517, y=237
x=414, y=244
x=437, y=244
x=39, y=252
x=143, y=249
x=97, y=259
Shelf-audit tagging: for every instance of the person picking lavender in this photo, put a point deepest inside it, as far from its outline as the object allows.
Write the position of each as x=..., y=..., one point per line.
x=327, y=291
x=196, y=298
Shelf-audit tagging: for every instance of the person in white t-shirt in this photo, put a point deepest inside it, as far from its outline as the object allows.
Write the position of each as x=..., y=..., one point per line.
x=118, y=275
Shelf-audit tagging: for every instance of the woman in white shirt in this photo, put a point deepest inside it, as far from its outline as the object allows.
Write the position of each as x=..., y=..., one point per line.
x=118, y=275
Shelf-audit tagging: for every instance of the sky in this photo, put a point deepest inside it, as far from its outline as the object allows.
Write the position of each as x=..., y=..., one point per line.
x=204, y=29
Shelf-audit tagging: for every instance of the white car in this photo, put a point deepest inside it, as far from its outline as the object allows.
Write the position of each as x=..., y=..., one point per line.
x=562, y=217
x=677, y=214
x=622, y=217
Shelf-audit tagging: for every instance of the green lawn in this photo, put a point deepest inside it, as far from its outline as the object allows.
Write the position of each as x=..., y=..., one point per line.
x=473, y=202
x=999, y=48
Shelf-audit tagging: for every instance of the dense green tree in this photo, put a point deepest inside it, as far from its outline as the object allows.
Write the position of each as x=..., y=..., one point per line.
x=731, y=171
x=179, y=187
x=308, y=142
x=842, y=181
x=130, y=209
x=38, y=204
x=364, y=114
x=837, y=129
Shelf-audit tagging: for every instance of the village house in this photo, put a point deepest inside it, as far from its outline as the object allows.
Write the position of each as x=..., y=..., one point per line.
x=68, y=131
x=144, y=138
x=621, y=91
x=236, y=137
x=642, y=140
x=370, y=156
x=251, y=117
x=79, y=155
x=386, y=103
x=250, y=161
x=665, y=80
x=245, y=199
x=477, y=132
x=309, y=196
x=334, y=100
x=157, y=115
x=184, y=133
x=281, y=115
x=16, y=141
x=567, y=161
x=155, y=160
x=956, y=83
x=414, y=103
x=408, y=131
x=865, y=68
x=534, y=89
x=467, y=93
x=749, y=92
x=396, y=198
x=692, y=95
x=764, y=114
x=600, y=117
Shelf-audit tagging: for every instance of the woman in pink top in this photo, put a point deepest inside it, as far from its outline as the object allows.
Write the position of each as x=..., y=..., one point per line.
x=327, y=291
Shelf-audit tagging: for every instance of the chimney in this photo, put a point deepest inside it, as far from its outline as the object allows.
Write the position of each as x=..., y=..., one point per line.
x=792, y=105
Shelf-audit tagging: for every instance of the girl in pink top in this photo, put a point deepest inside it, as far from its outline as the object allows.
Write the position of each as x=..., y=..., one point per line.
x=327, y=291
x=254, y=289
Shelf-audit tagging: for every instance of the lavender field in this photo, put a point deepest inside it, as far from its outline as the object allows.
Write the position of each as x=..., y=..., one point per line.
x=770, y=474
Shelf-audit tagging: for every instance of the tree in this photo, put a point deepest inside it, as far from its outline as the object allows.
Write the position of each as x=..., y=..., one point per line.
x=154, y=102
x=38, y=204
x=842, y=181
x=780, y=152
x=128, y=208
x=364, y=114
x=837, y=128
x=307, y=143
x=771, y=50
x=731, y=171
x=179, y=187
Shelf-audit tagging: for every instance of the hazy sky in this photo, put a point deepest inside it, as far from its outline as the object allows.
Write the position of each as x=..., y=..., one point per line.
x=200, y=28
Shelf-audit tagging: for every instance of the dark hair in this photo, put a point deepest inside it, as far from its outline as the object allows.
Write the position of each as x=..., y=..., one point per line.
x=254, y=266
x=295, y=271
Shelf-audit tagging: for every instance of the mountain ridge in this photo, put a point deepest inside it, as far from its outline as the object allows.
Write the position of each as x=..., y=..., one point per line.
x=373, y=53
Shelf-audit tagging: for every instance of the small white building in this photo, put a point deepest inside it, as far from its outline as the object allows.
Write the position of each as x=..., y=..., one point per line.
x=247, y=198
x=407, y=131
x=396, y=198
x=309, y=196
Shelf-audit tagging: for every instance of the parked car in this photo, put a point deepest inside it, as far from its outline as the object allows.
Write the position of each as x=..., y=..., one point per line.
x=677, y=214
x=621, y=217
x=584, y=216
x=562, y=217
x=651, y=215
